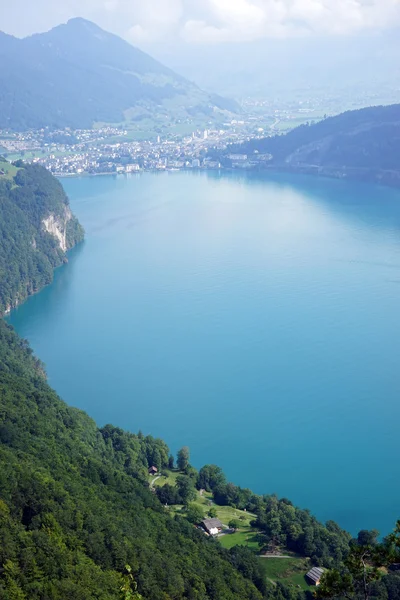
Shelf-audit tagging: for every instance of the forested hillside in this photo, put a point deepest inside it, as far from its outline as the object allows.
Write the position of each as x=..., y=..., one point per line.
x=75, y=507
x=362, y=143
x=36, y=229
x=78, y=520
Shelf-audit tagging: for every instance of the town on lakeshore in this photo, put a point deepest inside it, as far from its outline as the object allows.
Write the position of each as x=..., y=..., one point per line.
x=188, y=144
x=111, y=150
x=183, y=143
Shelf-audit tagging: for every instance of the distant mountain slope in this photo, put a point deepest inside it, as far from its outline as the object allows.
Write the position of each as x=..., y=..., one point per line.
x=77, y=74
x=363, y=143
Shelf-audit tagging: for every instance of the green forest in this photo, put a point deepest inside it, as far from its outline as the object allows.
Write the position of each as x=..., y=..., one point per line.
x=28, y=253
x=80, y=518
x=75, y=506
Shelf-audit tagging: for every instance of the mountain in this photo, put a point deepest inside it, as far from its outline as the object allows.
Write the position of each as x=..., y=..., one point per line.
x=37, y=228
x=78, y=74
x=363, y=144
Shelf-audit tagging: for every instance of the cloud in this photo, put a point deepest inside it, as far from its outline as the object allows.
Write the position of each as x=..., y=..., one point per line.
x=243, y=20
x=205, y=21
x=153, y=19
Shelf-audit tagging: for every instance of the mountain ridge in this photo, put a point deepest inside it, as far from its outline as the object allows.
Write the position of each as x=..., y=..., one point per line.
x=78, y=74
x=360, y=144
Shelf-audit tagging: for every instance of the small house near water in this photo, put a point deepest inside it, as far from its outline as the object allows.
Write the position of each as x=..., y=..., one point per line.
x=212, y=526
x=153, y=470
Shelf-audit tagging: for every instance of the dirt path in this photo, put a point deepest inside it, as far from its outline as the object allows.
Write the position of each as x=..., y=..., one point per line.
x=152, y=482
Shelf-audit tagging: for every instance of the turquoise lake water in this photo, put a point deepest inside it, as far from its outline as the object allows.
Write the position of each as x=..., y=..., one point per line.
x=253, y=318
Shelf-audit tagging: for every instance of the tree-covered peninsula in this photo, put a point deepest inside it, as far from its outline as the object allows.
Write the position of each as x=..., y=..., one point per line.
x=37, y=228
x=361, y=144
x=89, y=513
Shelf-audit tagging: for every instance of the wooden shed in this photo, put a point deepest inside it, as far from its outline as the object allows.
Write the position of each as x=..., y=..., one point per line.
x=314, y=575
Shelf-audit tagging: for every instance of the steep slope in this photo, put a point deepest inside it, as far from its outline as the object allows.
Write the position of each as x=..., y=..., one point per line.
x=75, y=505
x=77, y=74
x=36, y=230
x=363, y=143
x=75, y=508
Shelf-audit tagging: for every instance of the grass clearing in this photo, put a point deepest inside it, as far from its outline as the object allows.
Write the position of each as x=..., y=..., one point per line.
x=226, y=513
x=25, y=155
x=162, y=480
x=9, y=170
x=205, y=502
x=290, y=571
x=242, y=537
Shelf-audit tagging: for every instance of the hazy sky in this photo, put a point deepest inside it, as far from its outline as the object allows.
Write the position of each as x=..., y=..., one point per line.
x=144, y=22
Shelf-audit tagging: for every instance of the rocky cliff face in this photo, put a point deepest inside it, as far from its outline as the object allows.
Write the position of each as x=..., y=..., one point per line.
x=37, y=228
x=57, y=227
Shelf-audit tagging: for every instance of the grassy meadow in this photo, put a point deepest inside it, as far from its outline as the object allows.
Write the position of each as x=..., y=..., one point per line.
x=290, y=571
x=9, y=170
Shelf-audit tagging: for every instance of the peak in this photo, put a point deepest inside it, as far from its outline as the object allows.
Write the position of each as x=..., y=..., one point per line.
x=81, y=22
x=81, y=27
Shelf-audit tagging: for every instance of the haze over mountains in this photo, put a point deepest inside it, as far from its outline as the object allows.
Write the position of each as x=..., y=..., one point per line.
x=78, y=74
x=367, y=62
x=362, y=144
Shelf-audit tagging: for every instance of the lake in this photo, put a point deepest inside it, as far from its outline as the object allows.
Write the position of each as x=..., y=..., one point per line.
x=253, y=318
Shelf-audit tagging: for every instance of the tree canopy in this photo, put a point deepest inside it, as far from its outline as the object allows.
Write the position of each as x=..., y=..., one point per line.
x=75, y=506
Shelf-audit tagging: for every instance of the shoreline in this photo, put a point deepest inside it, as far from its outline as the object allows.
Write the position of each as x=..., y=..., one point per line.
x=378, y=178
x=172, y=170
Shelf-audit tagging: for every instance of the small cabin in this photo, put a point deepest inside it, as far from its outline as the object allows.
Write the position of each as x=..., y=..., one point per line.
x=314, y=575
x=153, y=470
x=212, y=526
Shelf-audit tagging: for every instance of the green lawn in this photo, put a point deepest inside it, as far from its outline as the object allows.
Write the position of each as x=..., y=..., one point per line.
x=224, y=513
x=288, y=124
x=171, y=479
x=243, y=537
x=290, y=571
x=23, y=155
x=9, y=170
